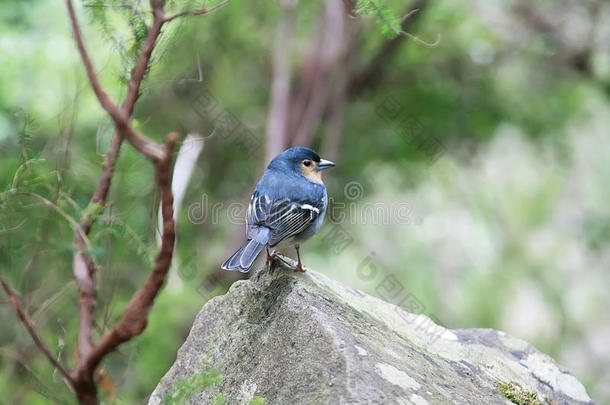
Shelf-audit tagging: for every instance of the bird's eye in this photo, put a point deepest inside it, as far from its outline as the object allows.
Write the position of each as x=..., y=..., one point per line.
x=307, y=163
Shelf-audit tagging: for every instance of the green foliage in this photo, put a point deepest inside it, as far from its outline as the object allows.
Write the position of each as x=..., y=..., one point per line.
x=387, y=21
x=24, y=136
x=258, y=401
x=123, y=24
x=517, y=395
x=187, y=387
x=93, y=210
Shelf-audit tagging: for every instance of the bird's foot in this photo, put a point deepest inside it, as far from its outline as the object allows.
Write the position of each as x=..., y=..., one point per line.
x=288, y=262
x=270, y=256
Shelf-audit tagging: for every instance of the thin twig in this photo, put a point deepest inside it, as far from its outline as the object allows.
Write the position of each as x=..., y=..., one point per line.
x=145, y=146
x=101, y=95
x=201, y=11
x=57, y=209
x=29, y=325
x=421, y=41
x=408, y=14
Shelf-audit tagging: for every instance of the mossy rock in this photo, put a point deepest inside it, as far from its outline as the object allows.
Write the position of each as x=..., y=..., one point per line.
x=285, y=337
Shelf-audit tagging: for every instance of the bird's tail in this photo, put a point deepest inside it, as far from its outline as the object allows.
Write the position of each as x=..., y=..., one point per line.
x=244, y=257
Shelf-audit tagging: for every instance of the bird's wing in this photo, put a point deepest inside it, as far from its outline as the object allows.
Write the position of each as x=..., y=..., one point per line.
x=284, y=217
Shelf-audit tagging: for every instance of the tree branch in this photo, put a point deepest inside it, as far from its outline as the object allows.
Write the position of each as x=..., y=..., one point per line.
x=133, y=93
x=134, y=318
x=141, y=67
x=82, y=264
x=137, y=76
x=133, y=321
x=145, y=146
x=29, y=325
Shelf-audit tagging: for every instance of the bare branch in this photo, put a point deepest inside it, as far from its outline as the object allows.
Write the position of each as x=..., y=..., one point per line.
x=141, y=67
x=103, y=183
x=84, y=274
x=95, y=84
x=137, y=75
x=82, y=268
x=29, y=325
x=134, y=318
x=82, y=264
x=133, y=93
x=145, y=146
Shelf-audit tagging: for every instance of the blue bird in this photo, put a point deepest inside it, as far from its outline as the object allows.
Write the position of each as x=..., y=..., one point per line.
x=287, y=207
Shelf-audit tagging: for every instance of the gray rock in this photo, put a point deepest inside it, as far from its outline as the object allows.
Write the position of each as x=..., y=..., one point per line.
x=302, y=338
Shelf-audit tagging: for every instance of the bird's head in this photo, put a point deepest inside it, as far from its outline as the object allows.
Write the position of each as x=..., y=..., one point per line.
x=301, y=161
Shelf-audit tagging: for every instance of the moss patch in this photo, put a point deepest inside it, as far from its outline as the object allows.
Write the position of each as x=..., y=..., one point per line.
x=258, y=401
x=186, y=387
x=219, y=399
x=517, y=395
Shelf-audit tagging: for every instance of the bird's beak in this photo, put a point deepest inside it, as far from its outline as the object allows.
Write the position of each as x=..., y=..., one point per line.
x=325, y=164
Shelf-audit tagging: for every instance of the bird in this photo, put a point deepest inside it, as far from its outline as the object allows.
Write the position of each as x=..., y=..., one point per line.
x=287, y=207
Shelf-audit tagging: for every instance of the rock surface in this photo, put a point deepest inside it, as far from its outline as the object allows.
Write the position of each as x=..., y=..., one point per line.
x=285, y=337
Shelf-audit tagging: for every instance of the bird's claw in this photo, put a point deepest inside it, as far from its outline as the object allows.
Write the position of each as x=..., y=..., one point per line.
x=288, y=262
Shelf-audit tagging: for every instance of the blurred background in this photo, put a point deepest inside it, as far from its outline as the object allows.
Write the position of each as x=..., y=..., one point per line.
x=472, y=180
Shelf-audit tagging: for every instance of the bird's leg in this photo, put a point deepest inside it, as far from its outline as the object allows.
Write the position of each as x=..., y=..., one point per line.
x=275, y=255
x=270, y=257
x=299, y=265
